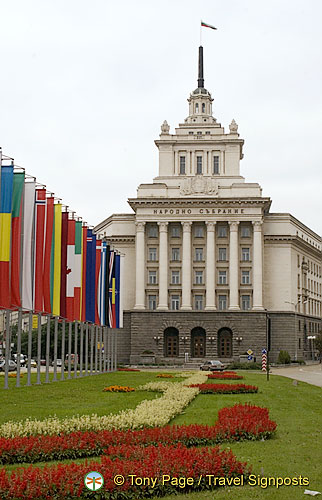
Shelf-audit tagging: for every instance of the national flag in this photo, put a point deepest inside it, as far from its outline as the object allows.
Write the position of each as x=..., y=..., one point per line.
x=117, y=291
x=90, y=276
x=97, y=276
x=16, y=240
x=5, y=235
x=63, y=272
x=56, y=260
x=206, y=25
x=40, y=218
x=78, y=270
x=111, y=308
x=28, y=245
x=102, y=285
x=70, y=270
x=83, y=290
x=47, y=275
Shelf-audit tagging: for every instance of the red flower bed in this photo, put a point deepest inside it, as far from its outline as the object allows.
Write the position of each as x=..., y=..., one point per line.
x=234, y=423
x=225, y=388
x=67, y=481
x=226, y=376
x=128, y=370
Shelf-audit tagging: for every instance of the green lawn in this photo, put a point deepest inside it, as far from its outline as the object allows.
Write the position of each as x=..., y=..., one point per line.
x=296, y=450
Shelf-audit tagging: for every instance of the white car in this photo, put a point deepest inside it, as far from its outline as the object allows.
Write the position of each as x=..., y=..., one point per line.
x=12, y=365
x=213, y=366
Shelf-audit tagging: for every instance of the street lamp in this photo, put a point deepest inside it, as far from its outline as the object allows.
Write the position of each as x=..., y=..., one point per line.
x=295, y=304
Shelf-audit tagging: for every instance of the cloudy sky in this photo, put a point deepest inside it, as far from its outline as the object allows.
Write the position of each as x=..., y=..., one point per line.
x=86, y=85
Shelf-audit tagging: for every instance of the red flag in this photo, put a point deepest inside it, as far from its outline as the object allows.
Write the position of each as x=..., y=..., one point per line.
x=97, y=275
x=40, y=215
x=64, y=233
x=47, y=254
x=83, y=291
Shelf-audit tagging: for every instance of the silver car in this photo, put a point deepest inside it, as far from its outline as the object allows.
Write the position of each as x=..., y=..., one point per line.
x=213, y=366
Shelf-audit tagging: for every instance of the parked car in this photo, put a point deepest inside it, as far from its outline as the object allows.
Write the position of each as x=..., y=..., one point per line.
x=33, y=363
x=213, y=366
x=12, y=365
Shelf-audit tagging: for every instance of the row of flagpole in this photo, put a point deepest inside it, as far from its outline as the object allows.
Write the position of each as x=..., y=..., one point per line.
x=94, y=350
x=54, y=266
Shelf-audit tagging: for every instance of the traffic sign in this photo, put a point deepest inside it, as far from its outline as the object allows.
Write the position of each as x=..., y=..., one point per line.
x=264, y=351
x=249, y=357
x=249, y=352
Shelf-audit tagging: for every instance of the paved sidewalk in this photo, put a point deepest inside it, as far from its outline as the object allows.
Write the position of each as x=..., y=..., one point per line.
x=311, y=374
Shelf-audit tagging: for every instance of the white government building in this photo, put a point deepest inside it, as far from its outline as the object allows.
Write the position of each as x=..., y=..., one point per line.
x=208, y=269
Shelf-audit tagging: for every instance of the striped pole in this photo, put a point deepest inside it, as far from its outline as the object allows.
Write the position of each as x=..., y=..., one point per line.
x=264, y=362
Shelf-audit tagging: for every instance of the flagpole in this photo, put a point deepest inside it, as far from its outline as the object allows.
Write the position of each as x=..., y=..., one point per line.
x=19, y=346
x=55, y=347
x=29, y=347
x=47, y=349
x=81, y=349
x=63, y=330
x=69, y=348
x=75, y=349
x=7, y=350
x=38, y=348
x=200, y=33
x=86, y=349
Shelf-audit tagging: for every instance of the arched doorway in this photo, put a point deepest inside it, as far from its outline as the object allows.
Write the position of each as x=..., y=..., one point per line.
x=198, y=342
x=225, y=343
x=171, y=342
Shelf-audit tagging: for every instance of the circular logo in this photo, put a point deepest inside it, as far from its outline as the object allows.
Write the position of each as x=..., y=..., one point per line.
x=93, y=481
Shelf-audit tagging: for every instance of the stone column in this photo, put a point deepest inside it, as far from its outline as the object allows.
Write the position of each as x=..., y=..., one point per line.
x=163, y=265
x=204, y=163
x=186, y=266
x=210, y=267
x=140, y=266
x=257, y=267
x=188, y=166
x=176, y=162
x=233, y=267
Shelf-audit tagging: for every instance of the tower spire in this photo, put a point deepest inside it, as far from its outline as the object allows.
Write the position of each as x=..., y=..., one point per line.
x=200, y=70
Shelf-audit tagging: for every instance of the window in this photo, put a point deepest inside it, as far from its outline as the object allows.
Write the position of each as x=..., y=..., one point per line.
x=245, y=277
x=222, y=302
x=245, y=231
x=207, y=132
x=152, y=253
x=245, y=254
x=153, y=232
x=152, y=277
x=199, y=165
x=203, y=107
x=245, y=302
x=222, y=254
x=175, y=277
x=198, y=277
x=222, y=277
x=197, y=108
x=198, y=231
x=175, y=232
x=182, y=165
x=175, y=254
x=199, y=302
x=190, y=132
x=222, y=231
x=175, y=302
x=199, y=133
x=199, y=254
x=152, y=302
x=216, y=165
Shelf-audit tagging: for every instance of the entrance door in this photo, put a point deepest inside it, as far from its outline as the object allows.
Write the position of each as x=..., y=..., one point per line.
x=198, y=346
x=172, y=346
x=225, y=343
x=198, y=342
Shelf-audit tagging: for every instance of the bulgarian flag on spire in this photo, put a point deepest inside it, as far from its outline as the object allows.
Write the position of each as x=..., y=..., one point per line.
x=206, y=25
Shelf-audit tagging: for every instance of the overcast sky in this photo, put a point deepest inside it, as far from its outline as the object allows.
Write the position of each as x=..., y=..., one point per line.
x=85, y=86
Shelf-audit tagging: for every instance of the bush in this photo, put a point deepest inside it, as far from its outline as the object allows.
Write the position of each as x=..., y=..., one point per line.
x=244, y=366
x=284, y=358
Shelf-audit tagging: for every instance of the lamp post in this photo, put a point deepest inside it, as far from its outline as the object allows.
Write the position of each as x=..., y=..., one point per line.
x=295, y=304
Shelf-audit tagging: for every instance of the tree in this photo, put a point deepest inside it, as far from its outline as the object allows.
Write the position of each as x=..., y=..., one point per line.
x=318, y=343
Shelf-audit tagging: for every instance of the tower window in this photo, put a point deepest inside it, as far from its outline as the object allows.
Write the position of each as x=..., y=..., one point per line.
x=197, y=108
x=199, y=132
x=182, y=165
x=199, y=165
x=190, y=132
x=216, y=165
x=203, y=107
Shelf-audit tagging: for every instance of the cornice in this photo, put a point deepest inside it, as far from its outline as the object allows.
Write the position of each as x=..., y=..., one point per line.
x=294, y=240
x=138, y=202
x=122, y=239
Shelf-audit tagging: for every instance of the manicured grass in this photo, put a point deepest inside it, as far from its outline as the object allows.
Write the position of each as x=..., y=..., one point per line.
x=73, y=397
x=296, y=450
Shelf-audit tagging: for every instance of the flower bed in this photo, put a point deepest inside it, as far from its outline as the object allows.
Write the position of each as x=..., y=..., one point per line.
x=118, y=388
x=239, y=422
x=128, y=370
x=66, y=481
x=164, y=375
x=225, y=376
x=225, y=388
x=149, y=413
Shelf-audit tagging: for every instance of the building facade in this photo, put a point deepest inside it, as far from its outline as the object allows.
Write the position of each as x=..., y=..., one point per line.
x=207, y=265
